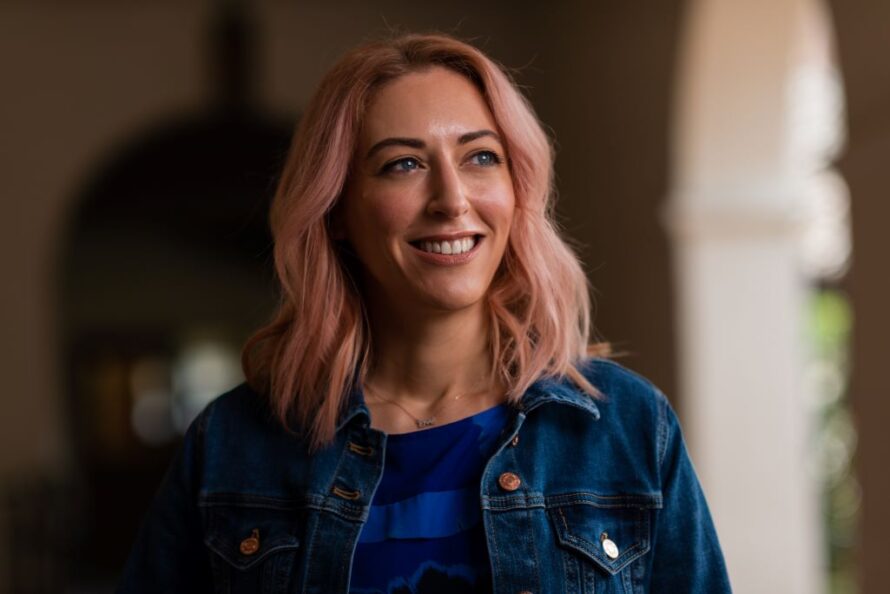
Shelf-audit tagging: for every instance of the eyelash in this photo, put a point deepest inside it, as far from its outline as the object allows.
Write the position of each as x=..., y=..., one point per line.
x=391, y=167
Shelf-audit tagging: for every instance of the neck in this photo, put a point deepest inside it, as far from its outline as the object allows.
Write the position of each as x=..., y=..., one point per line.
x=423, y=357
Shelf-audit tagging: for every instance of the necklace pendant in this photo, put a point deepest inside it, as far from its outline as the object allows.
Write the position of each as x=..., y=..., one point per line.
x=421, y=423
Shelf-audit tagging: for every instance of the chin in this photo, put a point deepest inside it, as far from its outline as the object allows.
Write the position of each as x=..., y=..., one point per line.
x=453, y=301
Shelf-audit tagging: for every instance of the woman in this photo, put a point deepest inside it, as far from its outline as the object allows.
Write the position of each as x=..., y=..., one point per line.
x=421, y=414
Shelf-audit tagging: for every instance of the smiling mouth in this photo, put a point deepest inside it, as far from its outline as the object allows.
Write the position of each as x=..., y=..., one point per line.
x=454, y=247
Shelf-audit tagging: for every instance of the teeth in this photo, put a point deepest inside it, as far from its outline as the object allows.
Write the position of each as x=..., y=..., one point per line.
x=458, y=246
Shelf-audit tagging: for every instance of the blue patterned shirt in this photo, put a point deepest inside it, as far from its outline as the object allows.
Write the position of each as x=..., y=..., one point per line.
x=425, y=533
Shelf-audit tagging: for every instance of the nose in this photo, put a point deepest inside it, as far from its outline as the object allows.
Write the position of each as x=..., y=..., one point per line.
x=448, y=196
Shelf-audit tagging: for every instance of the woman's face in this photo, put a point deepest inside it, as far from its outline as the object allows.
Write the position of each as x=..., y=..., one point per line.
x=430, y=202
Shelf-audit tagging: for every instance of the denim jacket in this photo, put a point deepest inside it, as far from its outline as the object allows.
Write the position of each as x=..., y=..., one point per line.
x=582, y=495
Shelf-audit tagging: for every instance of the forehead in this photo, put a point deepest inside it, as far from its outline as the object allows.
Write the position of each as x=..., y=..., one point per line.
x=436, y=102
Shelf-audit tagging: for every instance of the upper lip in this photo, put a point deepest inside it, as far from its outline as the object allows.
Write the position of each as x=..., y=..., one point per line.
x=447, y=236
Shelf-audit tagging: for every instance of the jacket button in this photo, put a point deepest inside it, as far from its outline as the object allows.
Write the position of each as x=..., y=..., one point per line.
x=609, y=546
x=509, y=481
x=251, y=544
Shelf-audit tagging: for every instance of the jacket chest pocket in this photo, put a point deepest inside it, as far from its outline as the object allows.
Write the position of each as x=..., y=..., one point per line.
x=252, y=548
x=603, y=541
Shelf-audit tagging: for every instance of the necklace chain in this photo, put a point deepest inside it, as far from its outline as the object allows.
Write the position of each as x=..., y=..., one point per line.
x=421, y=423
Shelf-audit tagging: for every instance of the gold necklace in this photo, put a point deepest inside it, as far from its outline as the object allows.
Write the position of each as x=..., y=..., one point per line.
x=421, y=423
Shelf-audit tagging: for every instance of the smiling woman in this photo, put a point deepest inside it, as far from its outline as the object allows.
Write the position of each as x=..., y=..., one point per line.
x=423, y=414
x=428, y=212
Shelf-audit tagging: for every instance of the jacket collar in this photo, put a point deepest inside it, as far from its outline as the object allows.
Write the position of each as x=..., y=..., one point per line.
x=559, y=391
x=542, y=391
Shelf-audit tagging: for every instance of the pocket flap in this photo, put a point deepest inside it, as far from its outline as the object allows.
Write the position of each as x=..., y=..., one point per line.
x=611, y=531
x=245, y=534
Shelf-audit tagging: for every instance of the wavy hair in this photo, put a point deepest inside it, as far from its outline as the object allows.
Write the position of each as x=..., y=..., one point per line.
x=316, y=349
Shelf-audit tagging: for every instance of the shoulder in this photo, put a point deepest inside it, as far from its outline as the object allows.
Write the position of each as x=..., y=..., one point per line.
x=240, y=404
x=630, y=404
x=240, y=417
x=622, y=389
x=241, y=444
x=616, y=439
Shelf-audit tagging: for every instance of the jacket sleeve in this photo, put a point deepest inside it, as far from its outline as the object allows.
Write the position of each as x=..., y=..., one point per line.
x=169, y=554
x=687, y=555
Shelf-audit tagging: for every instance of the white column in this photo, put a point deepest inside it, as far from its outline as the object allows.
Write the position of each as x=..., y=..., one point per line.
x=734, y=215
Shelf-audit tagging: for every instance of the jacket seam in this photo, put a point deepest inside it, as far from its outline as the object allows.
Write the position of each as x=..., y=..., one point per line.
x=661, y=433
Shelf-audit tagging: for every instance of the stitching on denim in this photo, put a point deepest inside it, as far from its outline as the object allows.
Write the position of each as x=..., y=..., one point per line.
x=345, y=563
x=344, y=510
x=311, y=568
x=643, y=501
x=627, y=556
x=571, y=572
x=562, y=517
x=503, y=504
x=283, y=573
x=661, y=431
x=201, y=448
x=497, y=554
x=531, y=525
x=626, y=585
x=590, y=577
x=218, y=547
x=534, y=501
x=591, y=408
x=240, y=500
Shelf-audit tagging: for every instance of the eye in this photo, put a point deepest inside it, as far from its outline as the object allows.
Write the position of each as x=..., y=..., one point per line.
x=403, y=165
x=485, y=159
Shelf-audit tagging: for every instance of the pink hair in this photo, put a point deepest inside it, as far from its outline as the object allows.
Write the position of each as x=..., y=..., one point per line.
x=316, y=349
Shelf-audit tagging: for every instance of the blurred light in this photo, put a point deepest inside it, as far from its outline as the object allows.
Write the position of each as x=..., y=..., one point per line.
x=150, y=413
x=150, y=418
x=826, y=243
x=205, y=368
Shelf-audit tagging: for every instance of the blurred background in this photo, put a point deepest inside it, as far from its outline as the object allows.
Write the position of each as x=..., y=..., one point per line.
x=722, y=164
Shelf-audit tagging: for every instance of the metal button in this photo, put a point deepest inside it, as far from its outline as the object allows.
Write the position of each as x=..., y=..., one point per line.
x=513, y=443
x=251, y=544
x=509, y=481
x=609, y=546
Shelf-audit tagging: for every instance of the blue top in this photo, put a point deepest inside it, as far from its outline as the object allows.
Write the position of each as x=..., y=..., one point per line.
x=424, y=531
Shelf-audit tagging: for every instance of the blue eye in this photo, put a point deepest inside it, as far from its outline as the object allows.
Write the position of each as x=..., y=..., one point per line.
x=402, y=165
x=485, y=158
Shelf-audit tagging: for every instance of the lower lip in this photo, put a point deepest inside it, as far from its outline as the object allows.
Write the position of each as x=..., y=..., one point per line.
x=448, y=259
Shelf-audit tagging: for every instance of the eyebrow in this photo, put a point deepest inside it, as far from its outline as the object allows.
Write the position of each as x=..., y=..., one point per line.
x=419, y=144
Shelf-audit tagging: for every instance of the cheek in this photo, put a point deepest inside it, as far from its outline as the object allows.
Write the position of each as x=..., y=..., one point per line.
x=389, y=217
x=497, y=206
x=381, y=215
